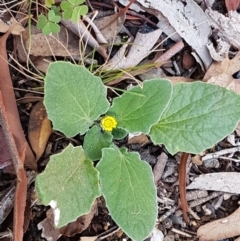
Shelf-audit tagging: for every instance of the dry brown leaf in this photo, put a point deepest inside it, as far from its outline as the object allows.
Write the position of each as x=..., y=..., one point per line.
x=9, y=103
x=64, y=43
x=83, y=32
x=42, y=63
x=220, y=181
x=110, y=26
x=140, y=48
x=189, y=21
x=17, y=144
x=5, y=157
x=39, y=129
x=51, y=233
x=141, y=139
x=227, y=27
x=232, y=5
x=15, y=27
x=220, y=229
x=80, y=224
x=220, y=73
x=159, y=167
x=221, y=51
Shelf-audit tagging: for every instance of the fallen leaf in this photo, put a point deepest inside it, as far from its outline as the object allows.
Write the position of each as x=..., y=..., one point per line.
x=221, y=51
x=110, y=25
x=83, y=32
x=189, y=21
x=5, y=157
x=39, y=129
x=220, y=73
x=42, y=63
x=80, y=224
x=140, y=48
x=65, y=43
x=157, y=235
x=221, y=181
x=15, y=27
x=227, y=27
x=159, y=167
x=220, y=229
x=9, y=103
x=232, y=5
x=51, y=233
x=141, y=139
x=6, y=203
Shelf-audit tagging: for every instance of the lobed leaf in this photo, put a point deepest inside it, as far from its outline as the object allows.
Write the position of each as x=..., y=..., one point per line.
x=78, y=12
x=52, y=17
x=139, y=108
x=42, y=21
x=198, y=116
x=69, y=185
x=74, y=98
x=49, y=3
x=128, y=187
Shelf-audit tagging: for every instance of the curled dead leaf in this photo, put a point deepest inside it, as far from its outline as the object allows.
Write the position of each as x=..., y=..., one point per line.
x=220, y=229
x=51, y=233
x=15, y=27
x=39, y=129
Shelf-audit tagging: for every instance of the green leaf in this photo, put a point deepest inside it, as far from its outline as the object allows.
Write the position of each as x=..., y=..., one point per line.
x=198, y=116
x=52, y=17
x=48, y=3
x=78, y=12
x=67, y=9
x=128, y=187
x=69, y=184
x=139, y=108
x=42, y=21
x=119, y=133
x=74, y=97
x=56, y=9
x=55, y=28
x=94, y=141
x=46, y=29
x=65, y=5
x=76, y=2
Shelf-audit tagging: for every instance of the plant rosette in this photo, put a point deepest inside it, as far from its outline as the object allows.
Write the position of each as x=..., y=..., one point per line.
x=184, y=117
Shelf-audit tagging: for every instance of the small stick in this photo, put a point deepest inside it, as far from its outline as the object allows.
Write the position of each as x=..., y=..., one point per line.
x=220, y=153
x=181, y=233
x=203, y=200
x=167, y=214
x=182, y=185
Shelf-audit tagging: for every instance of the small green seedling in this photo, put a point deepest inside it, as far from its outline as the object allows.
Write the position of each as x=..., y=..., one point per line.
x=73, y=9
x=70, y=9
x=49, y=3
x=49, y=24
x=188, y=117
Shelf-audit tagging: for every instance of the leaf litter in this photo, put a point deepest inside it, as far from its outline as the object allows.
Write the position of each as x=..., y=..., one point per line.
x=193, y=22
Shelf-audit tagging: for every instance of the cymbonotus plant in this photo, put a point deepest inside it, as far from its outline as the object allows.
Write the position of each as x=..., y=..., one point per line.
x=188, y=117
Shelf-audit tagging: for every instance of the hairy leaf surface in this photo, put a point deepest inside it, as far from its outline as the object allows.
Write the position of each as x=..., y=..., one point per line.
x=74, y=98
x=69, y=185
x=140, y=107
x=127, y=185
x=198, y=116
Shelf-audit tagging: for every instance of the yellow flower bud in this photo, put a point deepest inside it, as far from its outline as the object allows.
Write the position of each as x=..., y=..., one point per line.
x=108, y=123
